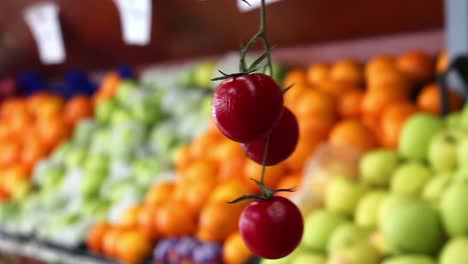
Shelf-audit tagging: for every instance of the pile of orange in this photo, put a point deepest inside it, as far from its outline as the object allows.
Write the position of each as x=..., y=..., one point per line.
x=30, y=128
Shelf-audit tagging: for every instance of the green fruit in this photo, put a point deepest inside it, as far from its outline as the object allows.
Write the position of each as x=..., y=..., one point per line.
x=368, y=208
x=361, y=253
x=105, y=110
x=409, y=179
x=417, y=134
x=411, y=259
x=204, y=73
x=52, y=177
x=76, y=157
x=286, y=260
x=97, y=162
x=453, y=119
x=461, y=175
x=454, y=208
x=83, y=132
x=464, y=118
x=436, y=187
x=387, y=204
x=343, y=194
x=455, y=251
x=376, y=167
x=148, y=112
x=346, y=235
x=309, y=258
x=462, y=151
x=378, y=241
x=318, y=229
x=443, y=150
x=91, y=183
x=413, y=227
x=121, y=116
x=125, y=90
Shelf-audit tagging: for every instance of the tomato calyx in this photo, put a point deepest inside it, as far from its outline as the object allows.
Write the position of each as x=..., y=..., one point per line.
x=267, y=193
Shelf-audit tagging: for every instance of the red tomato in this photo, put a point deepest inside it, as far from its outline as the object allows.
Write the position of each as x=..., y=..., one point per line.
x=245, y=108
x=271, y=228
x=283, y=141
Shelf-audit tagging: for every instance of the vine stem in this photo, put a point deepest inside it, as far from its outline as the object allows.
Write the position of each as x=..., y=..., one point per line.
x=261, y=34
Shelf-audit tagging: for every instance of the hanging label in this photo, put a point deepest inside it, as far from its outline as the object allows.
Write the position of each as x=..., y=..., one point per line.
x=135, y=18
x=254, y=4
x=43, y=21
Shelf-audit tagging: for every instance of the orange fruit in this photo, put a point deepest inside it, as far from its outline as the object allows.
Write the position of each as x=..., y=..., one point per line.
x=77, y=108
x=374, y=101
x=317, y=124
x=201, y=170
x=442, y=62
x=379, y=63
x=147, y=221
x=315, y=102
x=10, y=153
x=429, y=99
x=50, y=105
x=110, y=241
x=235, y=251
x=182, y=157
x=200, y=145
x=95, y=237
x=347, y=71
x=392, y=121
x=390, y=77
x=129, y=218
x=217, y=221
x=133, y=247
x=197, y=195
x=416, y=66
x=295, y=76
x=160, y=192
x=175, y=219
x=273, y=174
x=349, y=103
x=306, y=147
x=13, y=106
x=353, y=133
x=229, y=191
x=335, y=88
x=318, y=72
x=32, y=151
x=231, y=169
x=294, y=93
x=52, y=130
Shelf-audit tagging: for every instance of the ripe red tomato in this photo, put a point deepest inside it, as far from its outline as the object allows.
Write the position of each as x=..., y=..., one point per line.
x=245, y=108
x=283, y=141
x=271, y=228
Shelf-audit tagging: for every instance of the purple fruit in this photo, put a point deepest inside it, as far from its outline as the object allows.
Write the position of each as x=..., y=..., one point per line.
x=183, y=251
x=208, y=253
x=162, y=250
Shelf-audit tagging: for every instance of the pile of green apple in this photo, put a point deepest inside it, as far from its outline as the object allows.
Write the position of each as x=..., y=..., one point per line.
x=408, y=206
x=111, y=160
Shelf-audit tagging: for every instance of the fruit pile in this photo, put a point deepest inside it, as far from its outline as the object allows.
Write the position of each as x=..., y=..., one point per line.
x=30, y=128
x=406, y=206
x=365, y=105
x=111, y=160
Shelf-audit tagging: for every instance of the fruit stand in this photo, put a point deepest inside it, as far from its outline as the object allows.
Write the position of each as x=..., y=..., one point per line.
x=349, y=151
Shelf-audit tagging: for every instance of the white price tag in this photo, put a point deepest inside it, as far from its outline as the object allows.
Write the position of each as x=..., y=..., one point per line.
x=135, y=17
x=254, y=4
x=43, y=21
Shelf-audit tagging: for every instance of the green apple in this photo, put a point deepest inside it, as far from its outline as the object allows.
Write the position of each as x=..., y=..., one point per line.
x=388, y=202
x=455, y=251
x=413, y=226
x=61, y=152
x=162, y=137
x=346, y=235
x=376, y=167
x=105, y=110
x=148, y=112
x=288, y=259
x=187, y=77
x=52, y=177
x=454, y=208
x=377, y=240
x=145, y=170
x=97, y=162
x=125, y=90
x=464, y=118
x=100, y=141
x=436, y=187
x=91, y=182
x=416, y=135
x=343, y=194
x=462, y=151
x=410, y=259
x=361, y=253
x=319, y=227
x=76, y=157
x=410, y=178
x=368, y=208
x=443, y=150
x=461, y=174
x=453, y=119
x=309, y=258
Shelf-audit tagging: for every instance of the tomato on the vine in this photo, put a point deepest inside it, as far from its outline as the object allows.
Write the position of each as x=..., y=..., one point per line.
x=246, y=107
x=271, y=228
x=283, y=140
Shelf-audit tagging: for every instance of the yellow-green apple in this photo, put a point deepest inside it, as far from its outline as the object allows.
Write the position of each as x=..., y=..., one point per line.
x=346, y=235
x=454, y=208
x=410, y=178
x=376, y=167
x=455, y=251
x=436, y=187
x=410, y=259
x=361, y=253
x=416, y=135
x=368, y=207
x=412, y=226
x=319, y=227
x=343, y=194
